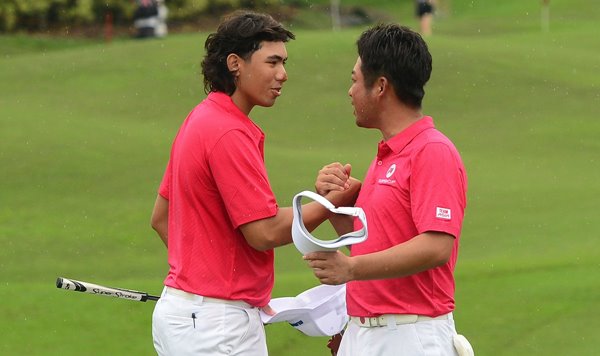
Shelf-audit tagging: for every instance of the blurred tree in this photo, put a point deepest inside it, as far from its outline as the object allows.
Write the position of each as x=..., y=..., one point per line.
x=39, y=15
x=8, y=16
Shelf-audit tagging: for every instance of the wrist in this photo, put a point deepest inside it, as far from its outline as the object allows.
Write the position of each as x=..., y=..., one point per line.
x=353, y=268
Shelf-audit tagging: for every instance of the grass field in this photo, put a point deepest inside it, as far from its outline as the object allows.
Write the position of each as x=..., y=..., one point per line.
x=85, y=132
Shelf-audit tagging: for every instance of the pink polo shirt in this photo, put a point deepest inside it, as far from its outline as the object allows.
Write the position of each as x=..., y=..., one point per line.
x=216, y=181
x=417, y=183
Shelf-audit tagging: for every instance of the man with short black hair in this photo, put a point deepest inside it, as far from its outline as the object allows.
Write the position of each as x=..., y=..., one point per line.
x=400, y=283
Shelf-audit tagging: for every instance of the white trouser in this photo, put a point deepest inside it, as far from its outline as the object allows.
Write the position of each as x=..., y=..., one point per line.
x=417, y=338
x=188, y=324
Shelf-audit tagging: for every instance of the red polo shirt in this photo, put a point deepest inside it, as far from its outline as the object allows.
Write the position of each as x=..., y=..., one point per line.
x=417, y=183
x=216, y=181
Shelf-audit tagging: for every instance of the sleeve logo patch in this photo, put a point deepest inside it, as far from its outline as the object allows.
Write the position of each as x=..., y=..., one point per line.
x=443, y=213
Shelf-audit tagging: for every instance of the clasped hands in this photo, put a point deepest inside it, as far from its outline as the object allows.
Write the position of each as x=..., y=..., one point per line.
x=336, y=184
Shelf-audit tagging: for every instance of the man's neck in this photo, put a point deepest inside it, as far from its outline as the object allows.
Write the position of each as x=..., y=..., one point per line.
x=397, y=118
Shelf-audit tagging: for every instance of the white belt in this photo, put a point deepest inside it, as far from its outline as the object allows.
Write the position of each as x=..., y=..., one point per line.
x=399, y=319
x=202, y=299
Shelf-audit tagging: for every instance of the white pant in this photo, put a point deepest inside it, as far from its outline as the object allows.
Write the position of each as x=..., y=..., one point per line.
x=190, y=325
x=422, y=338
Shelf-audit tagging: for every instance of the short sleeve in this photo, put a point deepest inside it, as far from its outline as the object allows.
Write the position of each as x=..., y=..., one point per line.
x=438, y=190
x=237, y=166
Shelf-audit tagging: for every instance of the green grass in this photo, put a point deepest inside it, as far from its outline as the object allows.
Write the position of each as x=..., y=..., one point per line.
x=85, y=132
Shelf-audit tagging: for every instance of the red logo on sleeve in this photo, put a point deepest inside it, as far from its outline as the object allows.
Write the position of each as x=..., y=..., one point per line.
x=443, y=213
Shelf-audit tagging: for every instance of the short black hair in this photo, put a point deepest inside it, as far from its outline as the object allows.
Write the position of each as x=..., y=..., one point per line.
x=399, y=54
x=241, y=33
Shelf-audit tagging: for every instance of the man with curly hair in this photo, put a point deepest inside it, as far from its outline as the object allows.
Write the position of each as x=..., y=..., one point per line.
x=215, y=210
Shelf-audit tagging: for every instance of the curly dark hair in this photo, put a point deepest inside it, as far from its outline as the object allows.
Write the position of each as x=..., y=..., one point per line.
x=399, y=54
x=241, y=33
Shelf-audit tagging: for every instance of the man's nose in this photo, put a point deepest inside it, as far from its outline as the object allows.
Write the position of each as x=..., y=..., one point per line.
x=282, y=75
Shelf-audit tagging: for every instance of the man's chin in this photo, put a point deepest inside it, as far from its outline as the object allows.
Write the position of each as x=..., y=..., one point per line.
x=363, y=124
x=268, y=103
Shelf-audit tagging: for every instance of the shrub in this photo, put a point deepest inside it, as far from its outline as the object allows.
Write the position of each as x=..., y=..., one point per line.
x=39, y=15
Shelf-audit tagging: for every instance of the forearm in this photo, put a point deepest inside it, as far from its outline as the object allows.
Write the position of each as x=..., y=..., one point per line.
x=342, y=224
x=313, y=215
x=276, y=231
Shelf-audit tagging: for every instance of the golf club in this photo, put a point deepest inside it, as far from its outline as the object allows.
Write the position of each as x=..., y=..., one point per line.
x=85, y=287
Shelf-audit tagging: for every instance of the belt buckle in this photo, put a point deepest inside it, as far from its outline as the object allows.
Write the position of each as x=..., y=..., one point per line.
x=374, y=321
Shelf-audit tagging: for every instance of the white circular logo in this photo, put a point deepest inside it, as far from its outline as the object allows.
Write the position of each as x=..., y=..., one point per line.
x=391, y=171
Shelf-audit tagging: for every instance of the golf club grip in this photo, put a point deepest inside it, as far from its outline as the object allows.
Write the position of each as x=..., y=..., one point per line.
x=91, y=288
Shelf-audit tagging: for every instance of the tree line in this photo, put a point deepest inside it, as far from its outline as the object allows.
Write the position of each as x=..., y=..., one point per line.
x=41, y=15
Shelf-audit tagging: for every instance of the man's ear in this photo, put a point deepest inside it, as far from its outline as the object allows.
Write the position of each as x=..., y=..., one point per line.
x=233, y=63
x=381, y=86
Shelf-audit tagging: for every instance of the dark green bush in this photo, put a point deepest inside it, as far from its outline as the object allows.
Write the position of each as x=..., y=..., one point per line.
x=39, y=15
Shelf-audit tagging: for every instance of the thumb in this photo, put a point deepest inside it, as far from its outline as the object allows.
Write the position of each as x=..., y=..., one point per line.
x=348, y=168
x=268, y=310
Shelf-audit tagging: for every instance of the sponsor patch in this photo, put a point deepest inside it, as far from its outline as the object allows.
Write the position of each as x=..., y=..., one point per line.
x=443, y=213
x=388, y=180
x=390, y=171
